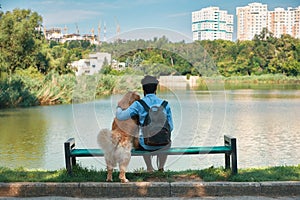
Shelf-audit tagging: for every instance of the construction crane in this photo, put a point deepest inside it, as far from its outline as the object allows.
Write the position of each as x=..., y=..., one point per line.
x=118, y=28
x=77, y=29
x=66, y=29
x=104, y=32
x=93, y=34
x=99, y=31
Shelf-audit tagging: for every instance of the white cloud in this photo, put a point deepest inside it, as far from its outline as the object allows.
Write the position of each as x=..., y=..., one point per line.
x=47, y=3
x=68, y=16
x=143, y=2
x=178, y=14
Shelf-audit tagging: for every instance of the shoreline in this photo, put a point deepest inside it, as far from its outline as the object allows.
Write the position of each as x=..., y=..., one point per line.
x=256, y=82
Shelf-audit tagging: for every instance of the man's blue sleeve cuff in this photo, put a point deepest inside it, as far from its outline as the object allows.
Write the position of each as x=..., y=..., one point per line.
x=119, y=109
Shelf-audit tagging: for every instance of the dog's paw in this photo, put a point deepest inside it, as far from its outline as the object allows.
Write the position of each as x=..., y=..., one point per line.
x=124, y=180
x=109, y=180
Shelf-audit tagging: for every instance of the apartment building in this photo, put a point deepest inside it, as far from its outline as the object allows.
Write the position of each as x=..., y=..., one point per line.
x=251, y=20
x=212, y=23
x=297, y=22
x=281, y=21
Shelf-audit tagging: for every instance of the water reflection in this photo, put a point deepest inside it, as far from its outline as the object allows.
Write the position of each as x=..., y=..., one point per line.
x=263, y=94
x=23, y=133
x=266, y=125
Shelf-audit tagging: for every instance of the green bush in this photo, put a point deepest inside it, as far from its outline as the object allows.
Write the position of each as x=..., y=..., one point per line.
x=14, y=93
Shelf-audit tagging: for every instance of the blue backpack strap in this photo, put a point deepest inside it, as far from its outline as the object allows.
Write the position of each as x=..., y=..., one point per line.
x=164, y=104
x=142, y=102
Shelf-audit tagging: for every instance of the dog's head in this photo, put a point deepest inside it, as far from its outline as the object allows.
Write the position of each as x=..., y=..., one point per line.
x=128, y=99
x=129, y=126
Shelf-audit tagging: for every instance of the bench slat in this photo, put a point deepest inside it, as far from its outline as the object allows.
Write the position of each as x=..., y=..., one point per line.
x=86, y=152
x=171, y=151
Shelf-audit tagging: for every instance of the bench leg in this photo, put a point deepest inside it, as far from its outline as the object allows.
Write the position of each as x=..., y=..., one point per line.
x=69, y=161
x=234, y=157
x=231, y=141
x=234, y=162
x=227, y=161
x=68, y=166
x=73, y=161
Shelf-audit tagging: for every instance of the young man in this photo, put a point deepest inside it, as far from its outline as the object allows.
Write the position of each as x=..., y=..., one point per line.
x=149, y=84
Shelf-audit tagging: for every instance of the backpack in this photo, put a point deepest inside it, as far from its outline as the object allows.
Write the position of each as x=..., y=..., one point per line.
x=156, y=128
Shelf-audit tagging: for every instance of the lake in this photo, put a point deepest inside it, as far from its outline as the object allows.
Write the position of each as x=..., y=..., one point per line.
x=265, y=123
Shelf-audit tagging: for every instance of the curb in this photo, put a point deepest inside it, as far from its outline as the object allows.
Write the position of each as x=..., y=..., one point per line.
x=150, y=189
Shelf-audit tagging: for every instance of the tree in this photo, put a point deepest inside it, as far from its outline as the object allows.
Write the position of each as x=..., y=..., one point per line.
x=20, y=39
x=286, y=58
x=263, y=49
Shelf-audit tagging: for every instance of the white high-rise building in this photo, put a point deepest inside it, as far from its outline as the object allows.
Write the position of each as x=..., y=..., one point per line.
x=212, y=23
x=251, y=20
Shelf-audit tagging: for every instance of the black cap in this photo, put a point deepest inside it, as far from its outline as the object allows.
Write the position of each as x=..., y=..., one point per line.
x=149, y=80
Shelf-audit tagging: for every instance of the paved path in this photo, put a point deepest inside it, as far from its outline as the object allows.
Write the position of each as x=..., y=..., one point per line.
x=172, y=198
x=153, y=190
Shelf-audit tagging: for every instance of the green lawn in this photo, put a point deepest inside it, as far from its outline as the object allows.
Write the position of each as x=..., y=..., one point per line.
x=280, y=173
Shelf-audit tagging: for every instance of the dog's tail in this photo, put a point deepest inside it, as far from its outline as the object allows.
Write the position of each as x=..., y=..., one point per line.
x=104, y=140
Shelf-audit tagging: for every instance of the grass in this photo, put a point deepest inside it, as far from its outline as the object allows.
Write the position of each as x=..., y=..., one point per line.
x=261, y=82
x=80, y=174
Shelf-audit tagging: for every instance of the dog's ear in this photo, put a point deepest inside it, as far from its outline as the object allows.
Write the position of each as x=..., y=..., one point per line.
x=136, y=96
x=125, y=101
x=128, y=99
x=133, y=97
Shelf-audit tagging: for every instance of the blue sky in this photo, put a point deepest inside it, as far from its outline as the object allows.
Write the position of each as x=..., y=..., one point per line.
x=129, y=14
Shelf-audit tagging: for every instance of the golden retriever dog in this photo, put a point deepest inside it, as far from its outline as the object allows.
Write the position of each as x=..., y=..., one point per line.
x=118, y=142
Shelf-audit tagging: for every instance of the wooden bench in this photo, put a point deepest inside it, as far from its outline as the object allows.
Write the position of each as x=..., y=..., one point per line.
x=229, y=149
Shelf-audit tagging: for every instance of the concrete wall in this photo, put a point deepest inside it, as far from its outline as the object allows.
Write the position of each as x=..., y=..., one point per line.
x=178, y=82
